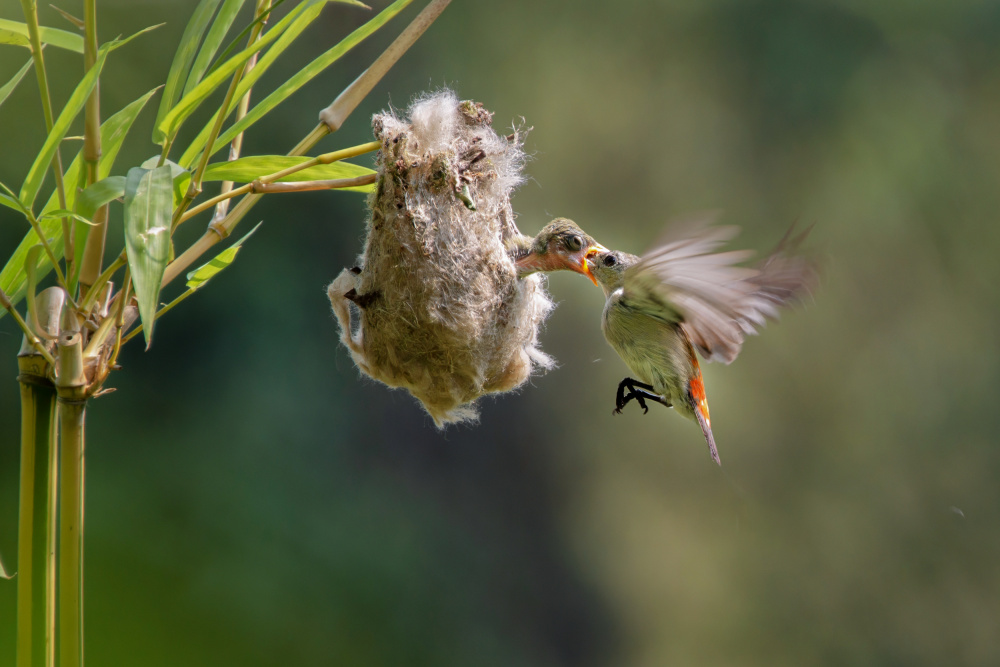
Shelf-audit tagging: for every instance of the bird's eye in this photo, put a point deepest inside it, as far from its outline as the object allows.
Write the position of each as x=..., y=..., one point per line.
x=574, y=242
x=609, y=260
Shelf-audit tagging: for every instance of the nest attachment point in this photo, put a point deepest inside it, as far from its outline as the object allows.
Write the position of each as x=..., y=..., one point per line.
x=435, y=305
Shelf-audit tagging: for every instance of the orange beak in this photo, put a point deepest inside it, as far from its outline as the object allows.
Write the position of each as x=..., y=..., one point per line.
x=591, y=251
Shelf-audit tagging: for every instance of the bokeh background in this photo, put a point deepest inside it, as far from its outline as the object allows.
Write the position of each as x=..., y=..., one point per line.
x=251, y=500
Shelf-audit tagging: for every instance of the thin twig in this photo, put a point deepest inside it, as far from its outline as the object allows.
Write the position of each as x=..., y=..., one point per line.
x=309, y=186
x=326, y=158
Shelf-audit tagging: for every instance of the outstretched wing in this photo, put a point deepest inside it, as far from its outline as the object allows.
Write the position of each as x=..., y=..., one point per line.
x=715, y=301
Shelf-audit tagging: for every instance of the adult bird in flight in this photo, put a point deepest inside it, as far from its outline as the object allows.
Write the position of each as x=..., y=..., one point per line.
x=683, y=297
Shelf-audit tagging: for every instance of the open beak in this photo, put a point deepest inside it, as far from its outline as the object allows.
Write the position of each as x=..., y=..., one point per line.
x=590, y=252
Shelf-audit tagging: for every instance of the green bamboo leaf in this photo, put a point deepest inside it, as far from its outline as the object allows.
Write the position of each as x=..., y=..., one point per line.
x=30, y=263
x=236, y=41
x=148, y=207
x=302, y=77
x=196, y=279
x=172, y=122
x=11, y=202
x=113, y=132
x=36, y=174
x=100, y=193
x=9, y=87
x=185, y=54
x=175, y=169
x=246, y=169
x=74, y=105
x=216, y=33
x=63, y=213
x=15, y=32
x=273, y=53
x=79, y=23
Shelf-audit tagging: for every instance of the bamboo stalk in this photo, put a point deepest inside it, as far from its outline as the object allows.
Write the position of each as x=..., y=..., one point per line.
x=36, y=521
x=38, y=449
x=93, y=250
x=71, y=387
x=29, y=334
x=335, y=114
x=72, y=414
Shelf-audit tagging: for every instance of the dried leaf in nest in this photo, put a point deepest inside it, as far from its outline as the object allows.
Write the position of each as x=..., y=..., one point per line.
x=439, y=306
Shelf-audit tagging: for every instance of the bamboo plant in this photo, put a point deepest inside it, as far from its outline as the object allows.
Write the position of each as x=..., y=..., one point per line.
x=75, y=328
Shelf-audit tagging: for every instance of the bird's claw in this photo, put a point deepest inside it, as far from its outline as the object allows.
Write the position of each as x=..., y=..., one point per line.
x=636, y=391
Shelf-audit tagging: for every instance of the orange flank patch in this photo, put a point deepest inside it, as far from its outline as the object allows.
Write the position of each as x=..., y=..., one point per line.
x=697, y=388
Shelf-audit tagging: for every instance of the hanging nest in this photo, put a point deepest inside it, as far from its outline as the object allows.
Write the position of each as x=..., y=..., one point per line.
x=437, y=306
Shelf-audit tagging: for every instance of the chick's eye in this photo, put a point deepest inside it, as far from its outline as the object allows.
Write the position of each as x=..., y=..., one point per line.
x=609, y=260
x=574, y=242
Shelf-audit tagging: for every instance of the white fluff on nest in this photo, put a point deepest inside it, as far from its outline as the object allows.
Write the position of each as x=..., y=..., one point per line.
x=441, y=311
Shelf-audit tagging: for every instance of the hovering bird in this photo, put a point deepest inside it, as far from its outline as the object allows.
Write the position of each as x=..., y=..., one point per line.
x=560, y=245
x=684, y=296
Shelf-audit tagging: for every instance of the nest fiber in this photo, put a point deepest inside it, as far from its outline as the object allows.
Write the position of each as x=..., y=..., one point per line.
x=436, y=306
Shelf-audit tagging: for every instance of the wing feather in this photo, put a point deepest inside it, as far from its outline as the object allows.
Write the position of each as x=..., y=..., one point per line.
x=717, y=302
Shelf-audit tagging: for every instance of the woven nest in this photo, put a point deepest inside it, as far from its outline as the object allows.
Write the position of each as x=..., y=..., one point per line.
x=436, y=303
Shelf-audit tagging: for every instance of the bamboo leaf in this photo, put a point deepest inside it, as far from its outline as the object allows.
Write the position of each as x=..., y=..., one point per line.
x=310, y=14
x=15, y=32
x=172, y=122
x=235, y=41
x=148, y=207
x=246, y=169
x=198, y=145
x=79, y=23
x=73, y=106
x=200, y=276
x=304, y=76
x=100, y=193
x=196, y=279
x=11, y=202
x=113, y=133
x=9, y=87
x=185, y=54
x=36, y=174
x=216, y=33
x=63, y=213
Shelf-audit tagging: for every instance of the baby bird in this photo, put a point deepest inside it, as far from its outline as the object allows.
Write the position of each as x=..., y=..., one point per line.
x=560, y=245
x=684, y=296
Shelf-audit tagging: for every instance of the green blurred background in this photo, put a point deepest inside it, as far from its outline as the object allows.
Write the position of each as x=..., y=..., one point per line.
x=251, y=500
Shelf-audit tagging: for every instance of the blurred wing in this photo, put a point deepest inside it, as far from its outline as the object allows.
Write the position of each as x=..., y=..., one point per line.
x=716, y=302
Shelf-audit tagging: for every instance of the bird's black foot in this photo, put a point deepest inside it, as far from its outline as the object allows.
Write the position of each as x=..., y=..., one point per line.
x=639, y=391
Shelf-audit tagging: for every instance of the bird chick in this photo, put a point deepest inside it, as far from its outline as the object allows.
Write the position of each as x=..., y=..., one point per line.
x=682, y=297
x=560, y=245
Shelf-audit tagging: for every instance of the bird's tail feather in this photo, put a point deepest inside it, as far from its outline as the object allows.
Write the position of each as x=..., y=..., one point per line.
x=706, y=429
